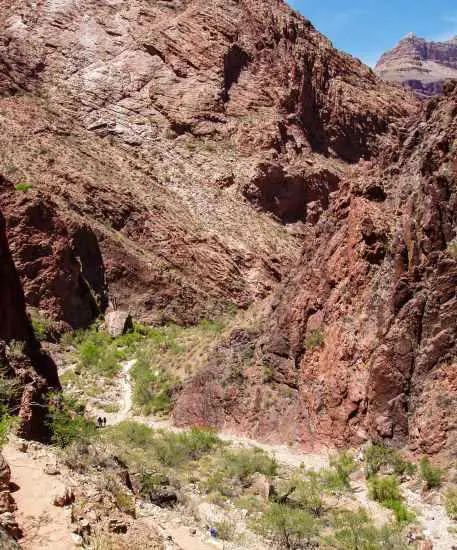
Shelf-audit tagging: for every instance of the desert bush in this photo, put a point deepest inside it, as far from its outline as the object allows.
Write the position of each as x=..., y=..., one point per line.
x=377, y=456
x=243, y=463
x=308, y=494
x=125, y=502
x=98, y=351
x=226, y=530
x=314, y=340
x=174, y=449
x=131, y=434
x=400, y=510
x=67, y=422
x=15, y=349
x=383, y=489
x=152, y=388
x=43, y=328
x=342, y=466
x=6, y=424
x=288, y=527
x=450, y=502
x=386, y=490
x=23, y=187
x=432, y=475
x=250, y=503
x=354, y=530
x=168, y=448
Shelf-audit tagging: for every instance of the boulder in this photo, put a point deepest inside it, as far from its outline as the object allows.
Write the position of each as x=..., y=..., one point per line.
x=65, y=499
x=165, y=497
x=118, y=322
x=260, y=486
x=5, y=472
x=7, y=503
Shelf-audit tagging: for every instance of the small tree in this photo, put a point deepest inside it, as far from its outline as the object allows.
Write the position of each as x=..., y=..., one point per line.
x=433, y=476
x=356, y=531
x=289, y=527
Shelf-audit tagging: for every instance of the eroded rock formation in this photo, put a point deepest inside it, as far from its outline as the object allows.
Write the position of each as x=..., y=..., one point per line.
x=422, y=66
x=359, y=342
x=27, y=373
x=149, y=124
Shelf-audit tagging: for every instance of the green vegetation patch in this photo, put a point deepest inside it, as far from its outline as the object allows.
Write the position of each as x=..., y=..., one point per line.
x=23, y=187
x=378, y=456
x=431, y=475
x=67, y=422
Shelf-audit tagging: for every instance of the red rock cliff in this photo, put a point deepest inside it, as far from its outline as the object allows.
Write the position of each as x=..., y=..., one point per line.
x=360, y=339
x=20, y=355
x=156, y=127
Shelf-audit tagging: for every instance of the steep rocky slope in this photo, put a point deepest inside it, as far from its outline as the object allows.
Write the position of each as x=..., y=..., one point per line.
x=167, y=146
x=26, y=373
x=359, y=342
x=420, y=65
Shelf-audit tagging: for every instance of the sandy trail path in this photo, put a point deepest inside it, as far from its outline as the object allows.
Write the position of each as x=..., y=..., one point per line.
x=45, y=526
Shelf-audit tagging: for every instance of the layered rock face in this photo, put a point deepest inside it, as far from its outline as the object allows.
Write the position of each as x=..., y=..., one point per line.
x=359, y=342
x=167, y=144
x=422, y=66
x=30, y=372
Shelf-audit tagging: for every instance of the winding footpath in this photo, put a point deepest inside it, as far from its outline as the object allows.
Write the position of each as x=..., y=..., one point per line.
x=47, y=527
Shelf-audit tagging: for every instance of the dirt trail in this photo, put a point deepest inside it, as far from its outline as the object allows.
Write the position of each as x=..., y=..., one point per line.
x=433, y=520
x=45, y=526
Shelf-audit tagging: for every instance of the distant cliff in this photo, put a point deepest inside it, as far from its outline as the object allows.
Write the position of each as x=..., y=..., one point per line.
x=422, y=66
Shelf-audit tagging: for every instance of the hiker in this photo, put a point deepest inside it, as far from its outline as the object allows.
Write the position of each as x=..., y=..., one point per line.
x=104, y=421
x=99, y=422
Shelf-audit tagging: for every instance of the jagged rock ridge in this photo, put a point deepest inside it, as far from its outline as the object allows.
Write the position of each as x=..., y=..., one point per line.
x=422, y=66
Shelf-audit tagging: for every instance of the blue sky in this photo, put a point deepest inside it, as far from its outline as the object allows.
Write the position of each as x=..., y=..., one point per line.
x=367, y=28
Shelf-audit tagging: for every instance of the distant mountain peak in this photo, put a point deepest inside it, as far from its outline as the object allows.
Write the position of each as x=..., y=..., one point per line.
x=420, y=65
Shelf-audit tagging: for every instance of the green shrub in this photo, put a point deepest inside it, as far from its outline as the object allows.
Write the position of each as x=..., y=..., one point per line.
x=342, y=466
x=377, y=456
x=211, y=325
x=400, y=510
x=243, y=463
x=226, y=530
x=132, y=434
x=98, y=351
x=451, y=503
x=43, y=328
x=152, y=388
x=314, y=340
x=23, y=187
x=432, y=475
x=6, y=423
x=125, y=502
x=308, y=495
x=288, y=527
x=384, y=489
x=174, y=449
x=168, y=448
x=67, y=423
x=356, y=531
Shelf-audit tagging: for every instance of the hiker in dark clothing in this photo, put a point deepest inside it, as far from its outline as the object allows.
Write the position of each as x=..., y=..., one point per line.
x=104, y=421
x=99, y=422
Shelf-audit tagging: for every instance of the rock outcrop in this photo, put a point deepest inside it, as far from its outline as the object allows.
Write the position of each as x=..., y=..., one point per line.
x=422, y=66
x=27, y=373
x=176, y=135
x=360, y=339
